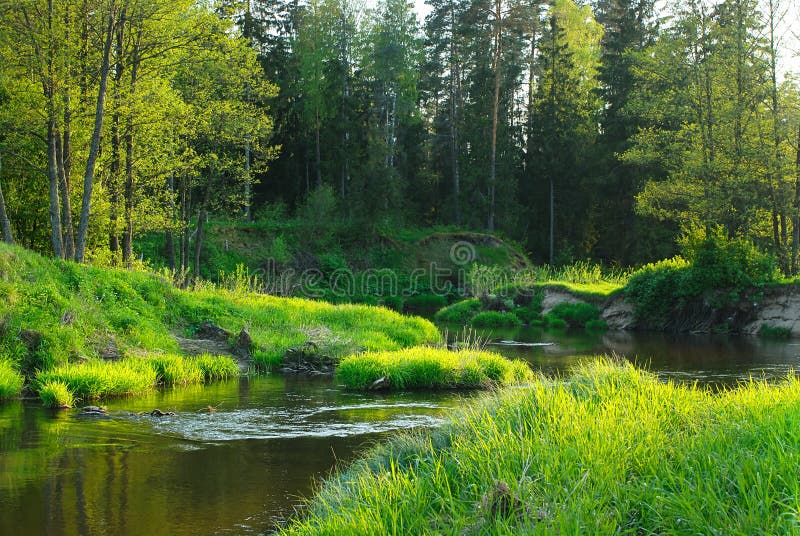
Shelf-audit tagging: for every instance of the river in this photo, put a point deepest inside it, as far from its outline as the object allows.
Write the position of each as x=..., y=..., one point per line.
x=247, y=465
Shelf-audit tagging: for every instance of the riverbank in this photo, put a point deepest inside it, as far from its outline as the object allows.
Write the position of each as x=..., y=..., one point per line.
x=56, y=314
x=609, y=449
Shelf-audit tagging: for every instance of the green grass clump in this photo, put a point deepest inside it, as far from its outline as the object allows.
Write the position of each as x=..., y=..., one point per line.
x=56, y=394
x=431, y=368
x=11, y=381
x=459, y=312
x=575, y=314
x=774, y=332
x=175, y=370
x=495, y=319
x=609, y=450
x=102, y=379
x=217, y=367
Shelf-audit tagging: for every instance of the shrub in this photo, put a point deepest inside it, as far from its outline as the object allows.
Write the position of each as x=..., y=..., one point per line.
x=495, y=319
x=424, y=302
x=460, y=312
x=717, y=267
x=56, y=394
x=11, y=381
x=554, y=322
x=596, y=325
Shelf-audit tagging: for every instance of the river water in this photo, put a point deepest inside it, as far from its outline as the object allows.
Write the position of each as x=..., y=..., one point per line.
x=247, y=465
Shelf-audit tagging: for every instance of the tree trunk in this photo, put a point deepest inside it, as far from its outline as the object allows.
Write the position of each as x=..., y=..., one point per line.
x=116, y=140
x=552, y=219
x=8, y=236
x=497, y=64
x=169, y=238
x=65, y=153
x=455, y=84
x=52, y=173
x=127, y=237
x=796, y=218
x=317, y=154
x=198, y=243
x=94, y=146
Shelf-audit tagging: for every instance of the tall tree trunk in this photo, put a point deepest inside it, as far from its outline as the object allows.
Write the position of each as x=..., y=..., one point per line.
x=94, y=145
x=8, y=236
x=497, y=65
x=198, y=243
x=552, y=219
x=455, y=84
x=796, y=216
x=317, y=153
x=52, y=173
x=169, y=238
x=65, y=152
x=116, y=139
x=130, y=175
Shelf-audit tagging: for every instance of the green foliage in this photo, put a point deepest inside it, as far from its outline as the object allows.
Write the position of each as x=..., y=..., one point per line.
x=774, y=332
x=459, y=312
x=609, y=449
x=216, y=368
x=423, y=303
x=718, y=268
x=56, y=394
x=554, y=322
x=495, y=319
x=575, y=314
x=431, y=368
x=11, y=380
x=101, y=379
x=596, y=325
x=175, y=369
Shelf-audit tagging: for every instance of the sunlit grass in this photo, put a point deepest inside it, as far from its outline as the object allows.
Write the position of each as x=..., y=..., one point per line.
x=608, y=450
x=431, y=368
x=136, y=375
x=56, y=394
x=11, y=380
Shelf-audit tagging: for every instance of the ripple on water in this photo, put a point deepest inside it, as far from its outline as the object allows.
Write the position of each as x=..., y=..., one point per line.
x=283, y=423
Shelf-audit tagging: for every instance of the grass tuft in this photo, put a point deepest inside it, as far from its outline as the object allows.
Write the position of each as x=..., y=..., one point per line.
x=11, y=380
x=431, y=368
x=56, y=394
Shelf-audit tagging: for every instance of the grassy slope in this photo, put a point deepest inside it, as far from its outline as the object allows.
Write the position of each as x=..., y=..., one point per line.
x=53, y=312
x=610, y=450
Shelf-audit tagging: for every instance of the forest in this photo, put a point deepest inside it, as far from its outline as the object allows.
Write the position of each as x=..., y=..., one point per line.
x=594, y=131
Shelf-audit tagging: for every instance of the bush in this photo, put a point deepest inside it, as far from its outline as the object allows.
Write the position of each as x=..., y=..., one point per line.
x=717, y=267
x=460, y=312
x=11, y=381
x=596, y=325
x=424, y=303
x=553, y=322
x=495, y=319
x=56, y=394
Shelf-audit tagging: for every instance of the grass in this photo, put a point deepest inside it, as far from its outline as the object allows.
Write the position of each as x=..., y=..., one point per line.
x=608, y=450
x=53, y=313
x=495, y=319
x=11, y=380
x=56, y=394
x=460, y=312
x=431, y=368
x=135, y=375
x=774, y=332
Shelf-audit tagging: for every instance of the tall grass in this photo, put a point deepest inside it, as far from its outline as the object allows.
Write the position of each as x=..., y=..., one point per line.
x=11, y=380
x=135, y=375
x=609, y=450
x=431, y=368
x=56, y=394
